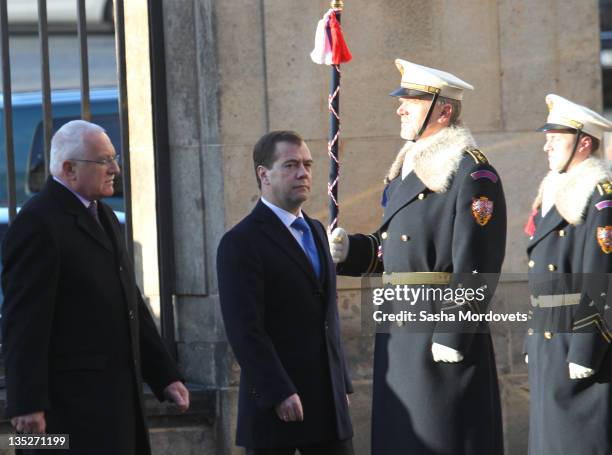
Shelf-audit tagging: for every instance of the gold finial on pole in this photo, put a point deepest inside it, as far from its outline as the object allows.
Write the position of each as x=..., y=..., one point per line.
x=337, y=5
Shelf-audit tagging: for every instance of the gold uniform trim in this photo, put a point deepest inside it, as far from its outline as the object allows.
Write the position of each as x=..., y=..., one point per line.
x=421, y=88
x=413, y=278
x=478, y=156
x=604, y=188
x=580, y=322
x=597, y=320
x=574, y=124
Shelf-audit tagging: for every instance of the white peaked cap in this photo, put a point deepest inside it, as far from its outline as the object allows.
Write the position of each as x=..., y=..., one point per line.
x=564, y=114
x=418, y=79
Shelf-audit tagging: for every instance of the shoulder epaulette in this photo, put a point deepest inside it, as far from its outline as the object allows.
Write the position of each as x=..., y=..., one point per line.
x=604, y=187
x=478, y=156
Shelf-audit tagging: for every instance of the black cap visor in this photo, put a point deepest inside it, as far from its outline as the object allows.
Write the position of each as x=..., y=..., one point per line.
x=402, y=92
x=557, y=127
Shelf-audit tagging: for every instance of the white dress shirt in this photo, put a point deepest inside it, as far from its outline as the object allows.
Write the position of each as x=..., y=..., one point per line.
x=287, y=218
x=81, y=198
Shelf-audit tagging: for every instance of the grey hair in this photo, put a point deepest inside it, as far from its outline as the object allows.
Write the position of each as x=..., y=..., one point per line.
x=69, y=142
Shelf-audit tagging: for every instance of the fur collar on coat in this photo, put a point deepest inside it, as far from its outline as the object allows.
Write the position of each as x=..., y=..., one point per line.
x=572, y=190
x=435, y=159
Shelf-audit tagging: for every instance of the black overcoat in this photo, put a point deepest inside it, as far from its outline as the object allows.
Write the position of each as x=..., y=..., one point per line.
x=282, y=323
x=569, y=267
x=421, y=407
x=78, y=340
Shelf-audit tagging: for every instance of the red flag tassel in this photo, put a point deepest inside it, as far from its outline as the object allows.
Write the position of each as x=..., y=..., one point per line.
x=530, y=227
x=340, y=51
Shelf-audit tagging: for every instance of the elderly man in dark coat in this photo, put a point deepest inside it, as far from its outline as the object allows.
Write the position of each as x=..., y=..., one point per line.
x=78, y=340
x=435, y=382
x=568, y=344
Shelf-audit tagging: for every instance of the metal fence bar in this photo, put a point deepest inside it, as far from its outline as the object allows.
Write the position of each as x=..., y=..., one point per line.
x=163, y=189
x=8, y=111
x=82, y=34
x=43, y=36
x=123, y=122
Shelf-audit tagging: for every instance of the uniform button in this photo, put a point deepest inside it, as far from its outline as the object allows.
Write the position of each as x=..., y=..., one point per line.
x=548, y=335
x=131, y=313
x=326, y=325
x=531, y=264
x=384, y=235
x=405, y=238
x=561, y=233
x=421, y=196
x=552, y=267
x=530, y=332
x=121, y=268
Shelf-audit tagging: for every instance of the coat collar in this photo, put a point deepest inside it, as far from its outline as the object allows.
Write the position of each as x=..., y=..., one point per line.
x=573, y=189
x=72, y=205
x=436, y=158
x=273, y=227
x=546, y=225
x=401, y=193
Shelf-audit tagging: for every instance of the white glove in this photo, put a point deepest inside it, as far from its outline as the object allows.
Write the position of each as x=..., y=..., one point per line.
x=526, y=358
x=579, y=372
x=443, y=353
x=338, y=245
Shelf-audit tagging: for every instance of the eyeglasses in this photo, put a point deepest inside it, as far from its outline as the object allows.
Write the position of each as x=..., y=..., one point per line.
x=107, y=162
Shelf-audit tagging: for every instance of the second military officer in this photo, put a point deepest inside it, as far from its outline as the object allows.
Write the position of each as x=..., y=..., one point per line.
x=568, y=344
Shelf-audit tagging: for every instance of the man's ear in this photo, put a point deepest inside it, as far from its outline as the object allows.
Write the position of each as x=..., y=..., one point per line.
x=585, y=144
x=445, y=113
x=68, y=168
x=262, y=173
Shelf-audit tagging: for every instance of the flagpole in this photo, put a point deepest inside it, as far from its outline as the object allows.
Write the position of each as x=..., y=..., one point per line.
x=334, y=134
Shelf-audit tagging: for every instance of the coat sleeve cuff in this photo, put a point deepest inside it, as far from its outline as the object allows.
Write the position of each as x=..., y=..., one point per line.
x=271, y=398
x=587, y=350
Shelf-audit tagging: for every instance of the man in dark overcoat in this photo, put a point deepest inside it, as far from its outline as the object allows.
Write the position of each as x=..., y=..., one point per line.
x=568, y=344
x=277, y=285
x=435, y=389
x=77, y=338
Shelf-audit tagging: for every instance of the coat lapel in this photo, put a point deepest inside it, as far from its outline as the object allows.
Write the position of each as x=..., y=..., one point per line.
x=106, y=218
x=276, y=231
x=402, y=195
x=84, y=220
x=549, y=223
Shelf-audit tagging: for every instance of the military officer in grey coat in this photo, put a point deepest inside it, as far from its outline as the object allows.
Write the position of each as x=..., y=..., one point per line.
x=435, y=389
x=567, y=345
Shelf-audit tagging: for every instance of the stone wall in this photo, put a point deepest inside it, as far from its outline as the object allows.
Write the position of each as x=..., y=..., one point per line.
x=238, y=69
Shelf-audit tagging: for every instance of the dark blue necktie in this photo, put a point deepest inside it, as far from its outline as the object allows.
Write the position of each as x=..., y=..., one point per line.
x=308, y=243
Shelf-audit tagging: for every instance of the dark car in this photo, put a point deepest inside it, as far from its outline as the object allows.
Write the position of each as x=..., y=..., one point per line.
x=28, y=141
x=28, y=136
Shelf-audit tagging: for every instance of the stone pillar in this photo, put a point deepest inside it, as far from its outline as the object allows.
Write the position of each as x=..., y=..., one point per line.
x=144, y=214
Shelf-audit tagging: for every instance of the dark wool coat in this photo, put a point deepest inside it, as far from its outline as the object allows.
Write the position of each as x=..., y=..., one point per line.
x=78, y=340
x=283, y=326
x=448, y=215
x=569, y=265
